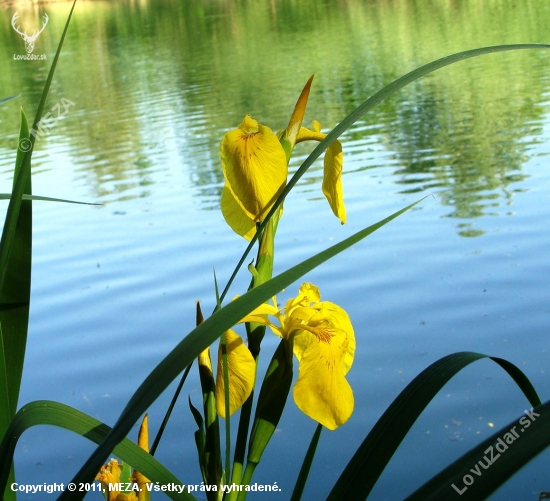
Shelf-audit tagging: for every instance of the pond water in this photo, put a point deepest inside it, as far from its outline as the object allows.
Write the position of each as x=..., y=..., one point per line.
x=156, y=84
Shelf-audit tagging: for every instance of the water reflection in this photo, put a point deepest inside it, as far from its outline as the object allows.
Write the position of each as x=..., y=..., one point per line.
x=156, y=84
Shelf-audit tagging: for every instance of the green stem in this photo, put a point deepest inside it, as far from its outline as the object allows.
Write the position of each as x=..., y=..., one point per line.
x=227, y=473
x=247, y=478
x=242, y=436
x=306, y=465
x=169, y=411
x=263, y=271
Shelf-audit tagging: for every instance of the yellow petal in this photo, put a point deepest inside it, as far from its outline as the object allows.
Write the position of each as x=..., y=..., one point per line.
x=309, y=292
x=110, y=474
x=235, y=216
x=254, y=166
x=322, y=392
x=332, y=180
x=137, y=477
x=340, y=320
x=131, y=496
x=143, y=434
x=332, y=173
x=325, y=316
x=265, y=309
x=204, y=362
x=242, y=370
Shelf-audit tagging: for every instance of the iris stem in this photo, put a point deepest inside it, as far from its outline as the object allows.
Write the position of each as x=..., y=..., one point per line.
x=306, y=465
x=169, y=411
x=247, y=478
x=227, y=474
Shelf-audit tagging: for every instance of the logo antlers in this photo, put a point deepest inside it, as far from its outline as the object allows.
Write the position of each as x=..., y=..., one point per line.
x=29, y=39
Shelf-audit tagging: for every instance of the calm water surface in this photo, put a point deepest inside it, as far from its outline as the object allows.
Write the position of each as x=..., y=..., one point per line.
x=156, y=84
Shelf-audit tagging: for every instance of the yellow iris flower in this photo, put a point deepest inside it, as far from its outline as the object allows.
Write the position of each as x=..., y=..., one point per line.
x=255, y=169
x=110, y=473
x=241, y=369
x=323, y=341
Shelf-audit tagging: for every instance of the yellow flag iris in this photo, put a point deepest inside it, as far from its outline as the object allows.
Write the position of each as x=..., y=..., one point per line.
x=241, y=370
x=109, y=474
x=324, y=344
x=255, y=168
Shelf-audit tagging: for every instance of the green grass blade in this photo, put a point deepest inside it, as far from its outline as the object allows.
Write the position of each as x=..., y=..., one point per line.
x=16, y=290
x=306, y=465
x=164, y=423
x=5, y=419
x=368, y=463
x=361, y=110
x=200, y=338
x=531, y=441
x=6, y=99
x=15, y=294
x=44, y=412
x=7, y=196
x=6, y=414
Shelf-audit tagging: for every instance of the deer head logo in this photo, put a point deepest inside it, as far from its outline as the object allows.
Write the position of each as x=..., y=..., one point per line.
x=29, y=39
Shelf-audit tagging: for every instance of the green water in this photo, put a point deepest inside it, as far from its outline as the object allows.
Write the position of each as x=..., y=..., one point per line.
x=213, y=62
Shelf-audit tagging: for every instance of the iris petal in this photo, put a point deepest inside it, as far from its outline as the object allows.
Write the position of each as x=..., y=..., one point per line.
x=340, y=320
x=242, y=369
x=235, y=216
x=255, y=167
x=332, y=173
x=332, y=180
x=321, y=391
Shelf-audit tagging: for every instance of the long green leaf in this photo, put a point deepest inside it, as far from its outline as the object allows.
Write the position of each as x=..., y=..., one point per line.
x=306, y=465
x=198, y=339
x=44, y=412
x=7, y=196
x=368, y=463
x=15, y=295
x=16, y=290
x=531, y=441
x=6, y=99
x=5, y=417
x=355, y=115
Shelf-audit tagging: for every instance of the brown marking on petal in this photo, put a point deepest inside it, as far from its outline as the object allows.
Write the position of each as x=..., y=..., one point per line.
x=323, y=334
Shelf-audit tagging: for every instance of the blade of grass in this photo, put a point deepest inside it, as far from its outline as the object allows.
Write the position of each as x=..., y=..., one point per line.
x=5, y=418
x=534, y=440
x=355, y=115
x=44, y=412
x=200, y=338
x=368, y=463
x=306, y=465
x=6, y=99
x=7, y=196
x=15, y=291
x=169, y=411
x=15, y=294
